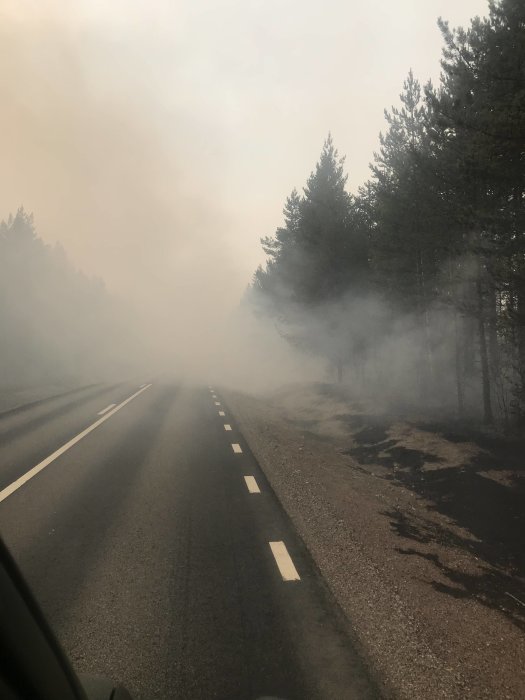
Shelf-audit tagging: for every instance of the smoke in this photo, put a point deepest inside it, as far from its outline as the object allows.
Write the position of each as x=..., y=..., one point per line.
x=149, y=140
x=135, y=180
x=110, y=171
x=378, y=350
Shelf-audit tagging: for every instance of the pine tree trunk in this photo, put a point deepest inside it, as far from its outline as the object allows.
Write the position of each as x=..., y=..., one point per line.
x=459, y=374
x=468, y=350
x=426, y=359
x=520, y=310
x=458, y=345
x=520, y=322
x=488, y=417
x=494, y=353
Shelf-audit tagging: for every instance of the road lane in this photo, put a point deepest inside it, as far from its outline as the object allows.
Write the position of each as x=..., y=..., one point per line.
x=34, y=471
x=152, y=561
x=29, y=435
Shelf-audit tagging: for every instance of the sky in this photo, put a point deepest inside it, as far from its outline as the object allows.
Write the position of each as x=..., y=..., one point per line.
x=157, y=140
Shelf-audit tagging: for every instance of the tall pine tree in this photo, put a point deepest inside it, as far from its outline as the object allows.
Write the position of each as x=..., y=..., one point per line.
x=314, y=260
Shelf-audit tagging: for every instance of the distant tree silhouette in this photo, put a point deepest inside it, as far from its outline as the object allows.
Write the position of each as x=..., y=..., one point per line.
x=56, y=323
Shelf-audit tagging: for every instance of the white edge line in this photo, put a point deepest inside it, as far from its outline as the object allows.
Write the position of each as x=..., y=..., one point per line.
x=253, y=486
x=57, y=453
x=284, y=562
x=105, y=410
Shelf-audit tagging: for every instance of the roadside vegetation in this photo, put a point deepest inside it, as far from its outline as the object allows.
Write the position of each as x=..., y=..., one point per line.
x=416, y=284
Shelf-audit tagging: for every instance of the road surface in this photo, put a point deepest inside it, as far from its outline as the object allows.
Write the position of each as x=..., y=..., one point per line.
x=159, y=553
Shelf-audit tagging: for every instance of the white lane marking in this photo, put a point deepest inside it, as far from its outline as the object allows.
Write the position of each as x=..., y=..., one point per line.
x=217, y=403
x=252, y=485
x=142, y=386
x=221, y=413
x=284, y=562
x=105, y=410
x=236, y=448
x=227, y=426
x=214, y=396
x=44, y=463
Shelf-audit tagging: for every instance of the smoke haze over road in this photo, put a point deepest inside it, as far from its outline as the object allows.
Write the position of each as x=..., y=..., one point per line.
x=157, y=141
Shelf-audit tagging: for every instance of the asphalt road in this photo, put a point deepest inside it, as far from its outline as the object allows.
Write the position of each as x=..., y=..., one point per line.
x=151, y=554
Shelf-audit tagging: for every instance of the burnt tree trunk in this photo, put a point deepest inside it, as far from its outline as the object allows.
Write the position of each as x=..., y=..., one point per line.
x=488, y=416
x=459, y=370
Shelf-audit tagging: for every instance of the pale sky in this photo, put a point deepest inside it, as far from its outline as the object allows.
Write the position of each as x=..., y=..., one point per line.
x=157, y=141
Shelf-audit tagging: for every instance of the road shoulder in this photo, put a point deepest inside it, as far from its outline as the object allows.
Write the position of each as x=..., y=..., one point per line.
x=382, y=550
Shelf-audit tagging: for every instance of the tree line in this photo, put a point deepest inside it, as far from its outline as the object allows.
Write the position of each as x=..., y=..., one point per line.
x=432, y=247
x=57, y=324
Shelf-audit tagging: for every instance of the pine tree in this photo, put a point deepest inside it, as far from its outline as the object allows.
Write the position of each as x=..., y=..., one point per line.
x=479, y=108
x=316, y=258
x=332, y=244
x=405, y=208
x=275, y=281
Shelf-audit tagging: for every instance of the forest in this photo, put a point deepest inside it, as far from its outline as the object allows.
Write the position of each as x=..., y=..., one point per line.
x=58, y=325
x=415, y=284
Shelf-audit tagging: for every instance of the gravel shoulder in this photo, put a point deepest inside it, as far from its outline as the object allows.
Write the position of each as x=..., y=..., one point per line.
x=418, y=532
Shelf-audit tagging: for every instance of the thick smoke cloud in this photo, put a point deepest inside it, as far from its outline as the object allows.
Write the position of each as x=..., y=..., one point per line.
x=156, y=142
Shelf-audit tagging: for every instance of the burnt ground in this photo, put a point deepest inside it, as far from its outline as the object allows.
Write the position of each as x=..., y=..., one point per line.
x=485, y=495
